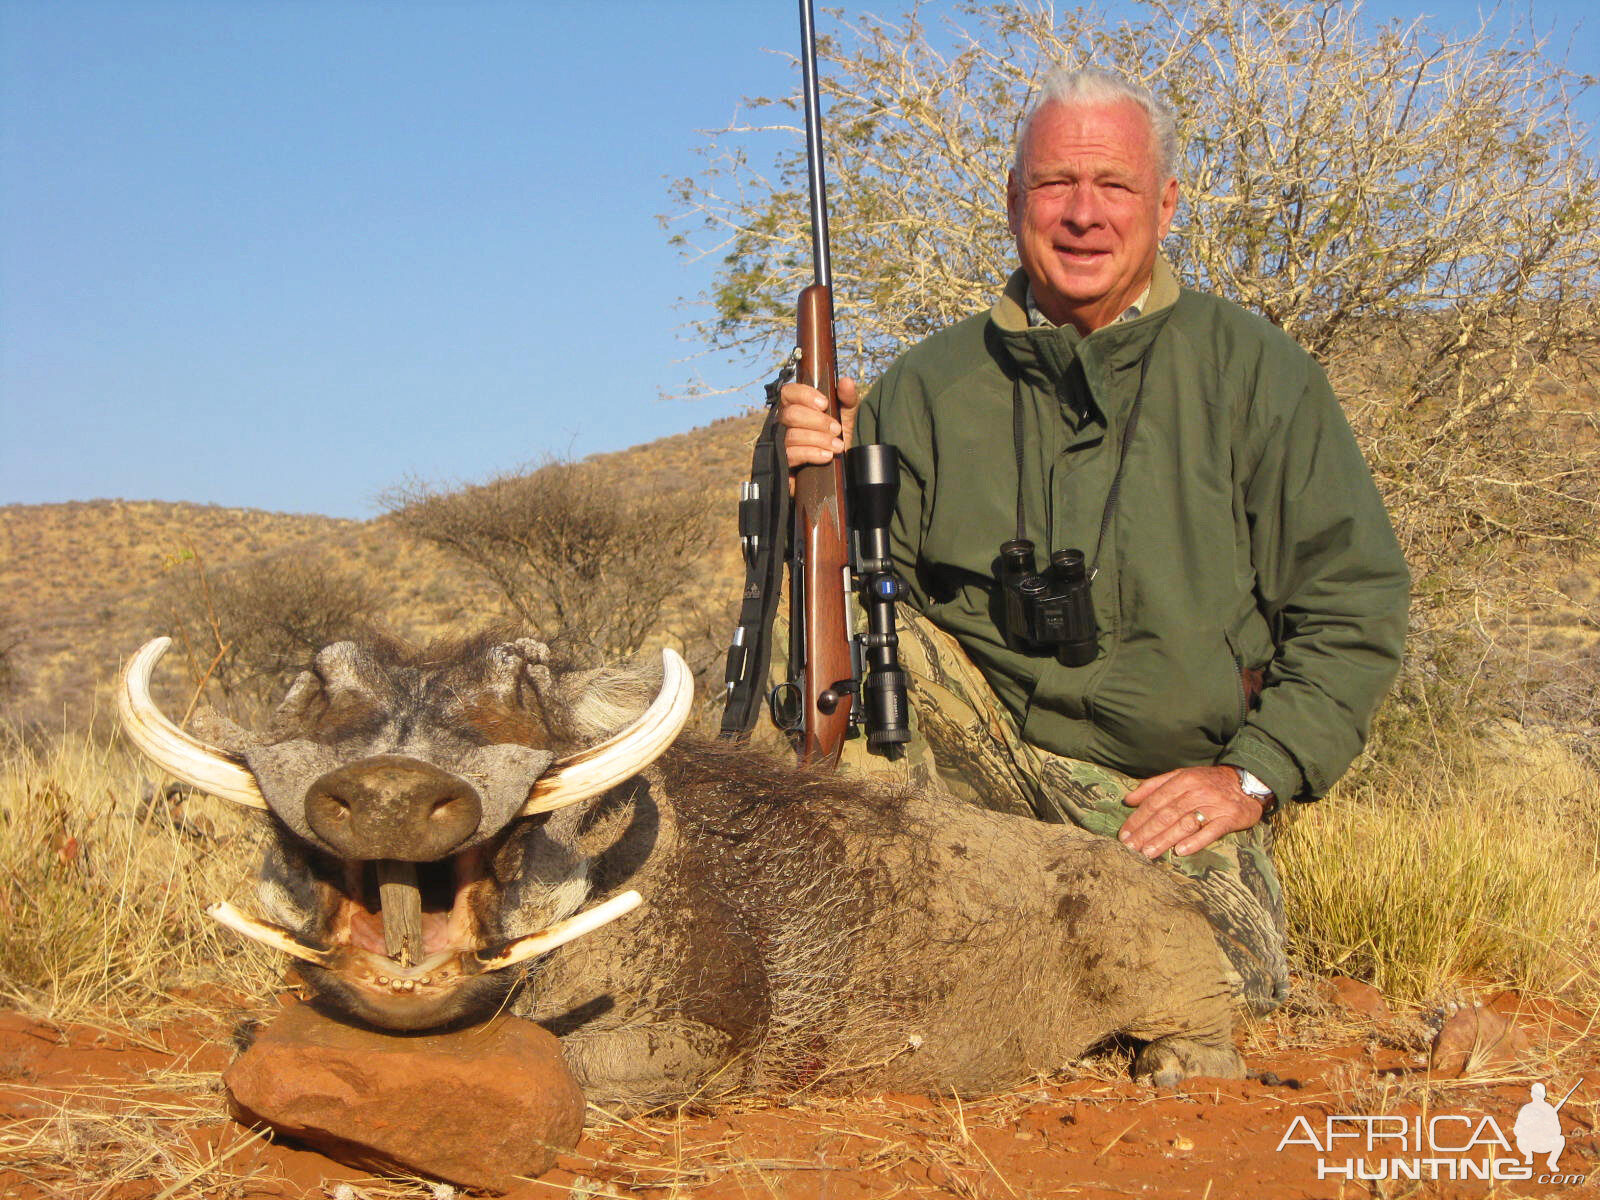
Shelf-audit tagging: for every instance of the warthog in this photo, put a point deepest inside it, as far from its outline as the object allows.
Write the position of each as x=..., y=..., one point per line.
x=443, y=821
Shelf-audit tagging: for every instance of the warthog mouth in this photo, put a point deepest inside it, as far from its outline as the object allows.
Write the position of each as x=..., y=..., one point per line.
x=400, y=939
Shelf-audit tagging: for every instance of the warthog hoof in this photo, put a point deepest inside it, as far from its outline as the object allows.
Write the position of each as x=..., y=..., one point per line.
x=1167, y=1062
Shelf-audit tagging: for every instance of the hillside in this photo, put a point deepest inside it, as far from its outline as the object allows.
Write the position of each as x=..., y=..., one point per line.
x=84, y=583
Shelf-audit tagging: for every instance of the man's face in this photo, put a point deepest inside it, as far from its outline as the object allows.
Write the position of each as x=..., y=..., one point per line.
x=1089, y=210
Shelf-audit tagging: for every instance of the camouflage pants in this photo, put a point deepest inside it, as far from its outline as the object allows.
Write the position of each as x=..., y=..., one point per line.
x=966, y=743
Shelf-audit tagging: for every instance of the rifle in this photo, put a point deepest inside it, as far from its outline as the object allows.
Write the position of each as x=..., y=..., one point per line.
x=819, y=579
x=816, y=706
x=1557, y=1106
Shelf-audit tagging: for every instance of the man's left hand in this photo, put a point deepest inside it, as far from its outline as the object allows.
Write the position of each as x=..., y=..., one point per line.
x=1186, y=810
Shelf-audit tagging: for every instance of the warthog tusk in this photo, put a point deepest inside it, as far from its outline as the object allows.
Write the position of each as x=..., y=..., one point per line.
x=559, y=934
x=275, y=936
x=170, y=748
x=625, y=753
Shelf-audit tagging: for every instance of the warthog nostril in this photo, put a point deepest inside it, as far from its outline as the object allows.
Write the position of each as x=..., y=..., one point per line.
x=392, y=807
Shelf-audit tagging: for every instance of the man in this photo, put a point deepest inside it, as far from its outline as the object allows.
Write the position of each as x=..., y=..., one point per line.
x=1249, y=593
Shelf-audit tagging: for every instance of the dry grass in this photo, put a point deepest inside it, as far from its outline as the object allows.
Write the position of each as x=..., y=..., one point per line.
x=103, y=883
x=87, y=1141
x=1471, y=867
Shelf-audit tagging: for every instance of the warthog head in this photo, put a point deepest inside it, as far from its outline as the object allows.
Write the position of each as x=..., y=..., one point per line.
x=422, y=801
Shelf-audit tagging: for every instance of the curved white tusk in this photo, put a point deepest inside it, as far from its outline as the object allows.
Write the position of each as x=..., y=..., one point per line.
x=562, y=932
x=170, y=748
x=275, y=936
x=625, y=753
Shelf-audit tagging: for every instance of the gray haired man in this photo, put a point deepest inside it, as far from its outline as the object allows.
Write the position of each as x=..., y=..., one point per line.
x=1248, y=590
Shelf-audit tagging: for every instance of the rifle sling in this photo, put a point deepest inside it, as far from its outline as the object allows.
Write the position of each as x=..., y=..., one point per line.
x=764, y=530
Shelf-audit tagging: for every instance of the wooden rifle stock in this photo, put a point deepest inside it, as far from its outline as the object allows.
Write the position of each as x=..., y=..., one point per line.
x=819, y=583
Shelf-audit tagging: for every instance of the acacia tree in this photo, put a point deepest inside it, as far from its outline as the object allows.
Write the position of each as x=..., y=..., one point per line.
x=1419, y=211
x=250, y=629
x=573, y=547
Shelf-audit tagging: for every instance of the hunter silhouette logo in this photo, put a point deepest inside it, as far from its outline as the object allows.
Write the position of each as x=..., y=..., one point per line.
x=1538, y=1128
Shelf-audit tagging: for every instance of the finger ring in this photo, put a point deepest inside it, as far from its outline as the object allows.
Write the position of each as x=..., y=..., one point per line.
x=1199, y=817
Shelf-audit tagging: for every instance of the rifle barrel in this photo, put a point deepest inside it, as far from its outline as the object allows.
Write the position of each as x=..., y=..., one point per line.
x=1568, y=1096
x=818, y=179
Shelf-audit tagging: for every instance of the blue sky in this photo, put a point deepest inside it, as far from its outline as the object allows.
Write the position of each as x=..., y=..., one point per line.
x=284, y=253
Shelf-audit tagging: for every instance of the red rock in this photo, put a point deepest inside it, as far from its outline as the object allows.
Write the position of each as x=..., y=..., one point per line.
x=1356, y=997
x=476, y=1108
x=1476, y=1039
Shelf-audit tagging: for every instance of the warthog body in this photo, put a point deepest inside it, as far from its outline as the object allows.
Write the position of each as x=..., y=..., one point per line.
x=796, y=929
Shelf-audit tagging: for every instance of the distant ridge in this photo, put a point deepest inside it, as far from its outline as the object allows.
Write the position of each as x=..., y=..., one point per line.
x=81, y=580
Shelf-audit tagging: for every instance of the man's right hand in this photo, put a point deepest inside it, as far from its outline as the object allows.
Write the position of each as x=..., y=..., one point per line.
x=810, y=435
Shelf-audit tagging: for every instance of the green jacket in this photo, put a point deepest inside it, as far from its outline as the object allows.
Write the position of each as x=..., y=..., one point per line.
x=1247, y=532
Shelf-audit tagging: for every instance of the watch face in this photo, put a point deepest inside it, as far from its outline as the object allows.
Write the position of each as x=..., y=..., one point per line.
x=1251, y=786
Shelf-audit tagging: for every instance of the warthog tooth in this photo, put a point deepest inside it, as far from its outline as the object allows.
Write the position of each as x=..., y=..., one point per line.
x=383, y=981
x=275, y=936
x=559, y=934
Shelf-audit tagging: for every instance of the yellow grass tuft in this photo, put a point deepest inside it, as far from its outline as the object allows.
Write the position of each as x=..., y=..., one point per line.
x=1481, y=872
x=103, y=886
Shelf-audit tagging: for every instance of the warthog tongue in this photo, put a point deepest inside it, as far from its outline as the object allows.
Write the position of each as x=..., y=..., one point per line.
x=400, y=899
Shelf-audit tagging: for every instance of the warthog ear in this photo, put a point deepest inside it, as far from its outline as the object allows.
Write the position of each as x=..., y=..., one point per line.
x=335, y=669
x=338, y=665
x=514, y=665
x=299, y=704
x=597, y=703
x=580, y=707
x=630, y=749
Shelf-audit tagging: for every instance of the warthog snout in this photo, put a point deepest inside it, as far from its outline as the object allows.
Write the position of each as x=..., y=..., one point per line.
x=393, y=807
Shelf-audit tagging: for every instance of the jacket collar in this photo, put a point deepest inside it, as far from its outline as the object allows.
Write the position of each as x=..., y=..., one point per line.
x=1044, y=355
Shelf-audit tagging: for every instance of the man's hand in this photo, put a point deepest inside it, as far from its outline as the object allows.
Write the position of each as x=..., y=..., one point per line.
x=1186, y=810
x=811, y=436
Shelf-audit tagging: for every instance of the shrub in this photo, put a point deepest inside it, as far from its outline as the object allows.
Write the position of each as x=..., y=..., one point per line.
x=573, y=547
x=250, y=629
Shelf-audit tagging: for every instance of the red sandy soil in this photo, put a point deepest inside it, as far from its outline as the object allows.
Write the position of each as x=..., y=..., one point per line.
x=1086, y=1137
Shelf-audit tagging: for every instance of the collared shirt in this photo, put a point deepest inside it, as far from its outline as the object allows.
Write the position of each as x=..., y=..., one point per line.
x=1038, y=320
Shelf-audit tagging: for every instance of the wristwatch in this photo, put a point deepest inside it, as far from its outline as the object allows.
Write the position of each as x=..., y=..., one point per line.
x=1256, y=790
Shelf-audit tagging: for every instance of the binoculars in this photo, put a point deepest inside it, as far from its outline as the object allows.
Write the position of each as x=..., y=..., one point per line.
x=1053, y=611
